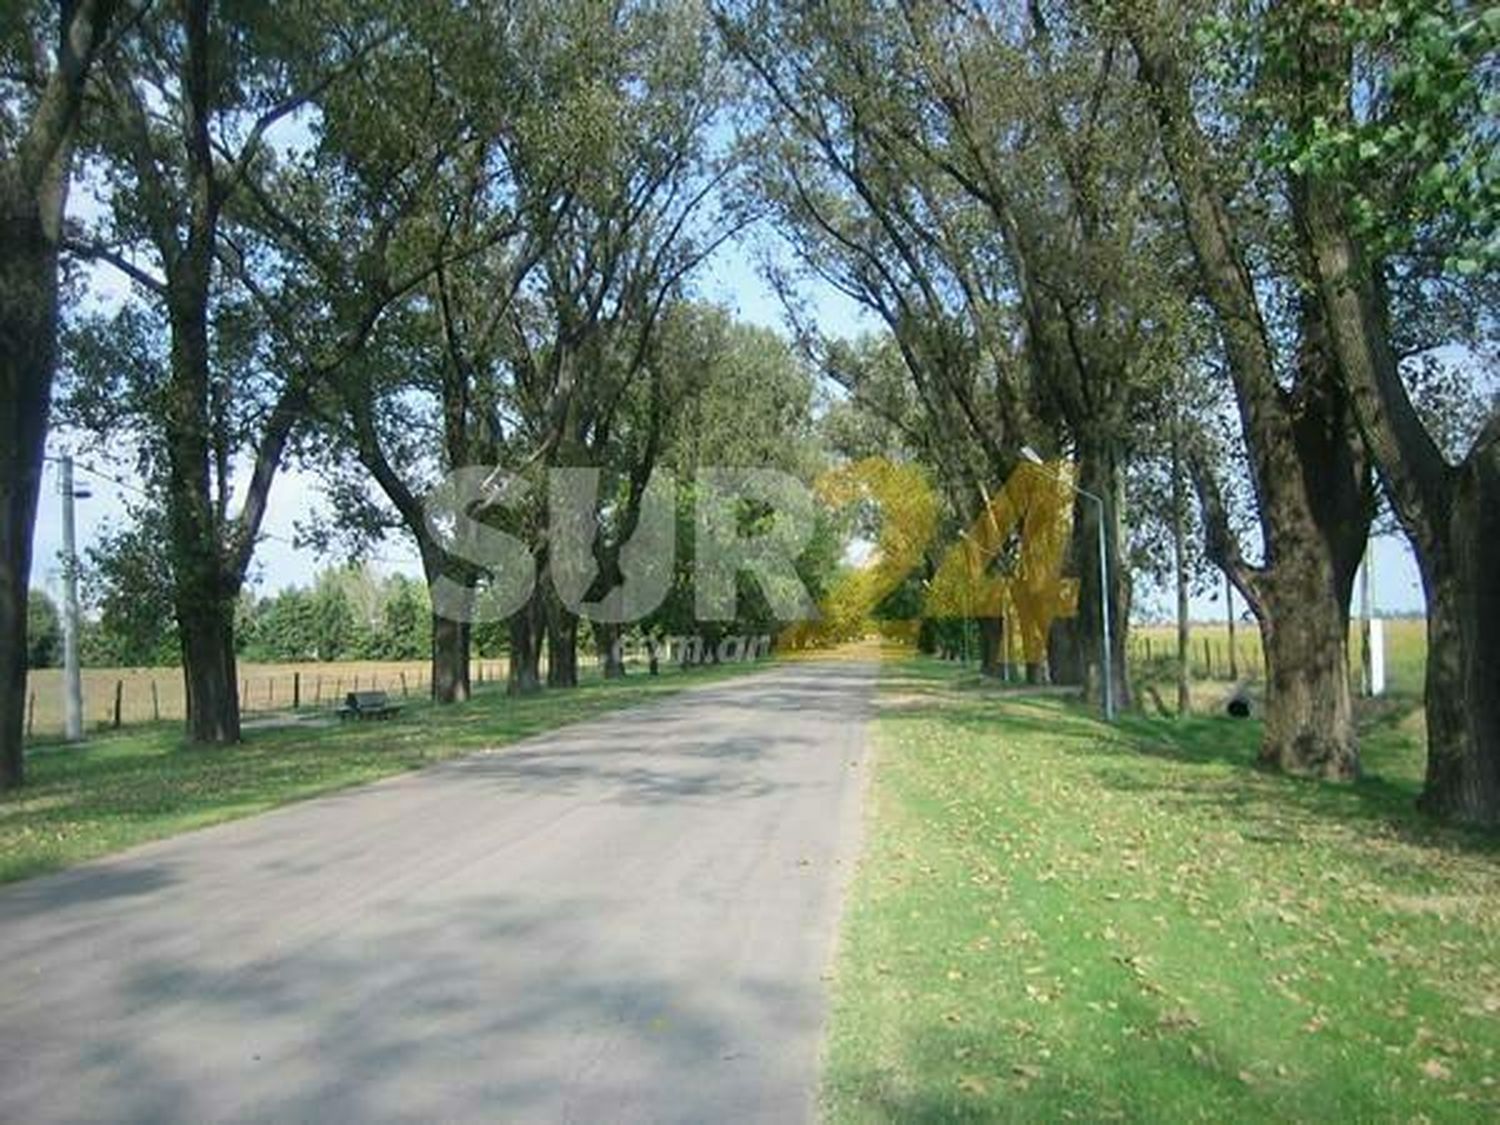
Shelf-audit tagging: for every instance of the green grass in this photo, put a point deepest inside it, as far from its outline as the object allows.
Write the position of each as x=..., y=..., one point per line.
x=1054, y=920
x=144, y=783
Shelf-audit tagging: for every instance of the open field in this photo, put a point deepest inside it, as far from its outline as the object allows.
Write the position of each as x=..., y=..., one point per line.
x=142, y=783
x=156, y=694
x=1056, y=920
x=1153, y=650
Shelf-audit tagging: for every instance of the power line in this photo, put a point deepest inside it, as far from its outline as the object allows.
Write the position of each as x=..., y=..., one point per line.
x=91, y=470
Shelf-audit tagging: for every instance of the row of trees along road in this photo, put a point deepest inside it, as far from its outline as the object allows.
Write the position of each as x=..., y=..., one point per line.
x=1197, y=251
x=1109, y=228
x=330, y=219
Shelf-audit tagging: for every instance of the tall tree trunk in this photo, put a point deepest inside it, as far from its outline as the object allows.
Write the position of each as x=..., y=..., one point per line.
x=1309, y=727
x=991, y=633
x=450, y=660
x=1310, y=473
x=1463, y=648
x=205, y=625
x=562, y=645
x=1062, y=652
x=28, y=357
x=204, y=583
x=33, y=196
x=1450, y=513
x=452, y=634
x=607, y=639
x=203, y=591
x=927, y=637
x=526, y=632
x=1301, y=604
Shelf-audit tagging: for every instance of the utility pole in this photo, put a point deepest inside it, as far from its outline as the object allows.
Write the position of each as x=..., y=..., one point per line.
x=1372, y=629
x=72, y=679
x=1234, y=656
x=1179, y=559
x=1364, y=622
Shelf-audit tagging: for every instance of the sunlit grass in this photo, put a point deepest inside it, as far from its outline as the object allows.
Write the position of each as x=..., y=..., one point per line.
x=1056, y=920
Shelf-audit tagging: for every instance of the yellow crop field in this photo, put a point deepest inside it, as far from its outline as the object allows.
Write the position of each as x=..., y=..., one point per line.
x=1154, y=646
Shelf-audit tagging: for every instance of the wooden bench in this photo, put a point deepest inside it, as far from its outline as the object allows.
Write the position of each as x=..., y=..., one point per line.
x=368, y=705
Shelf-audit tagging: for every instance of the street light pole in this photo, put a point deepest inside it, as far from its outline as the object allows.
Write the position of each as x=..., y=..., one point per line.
x=968, y=596
x=72, y=678
x=1106, y=671
x=1105, y=663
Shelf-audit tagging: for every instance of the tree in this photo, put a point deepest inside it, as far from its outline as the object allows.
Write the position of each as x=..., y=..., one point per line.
x=408, y=180
x=1309, y=470
x=1425, y=131
x=743, y=397
x=44, y=639
x=127, y=586
x=580, y=206
x=406, y=621
x=279, y=628
x=638, y=225
x=187, y=102
x=39, y=113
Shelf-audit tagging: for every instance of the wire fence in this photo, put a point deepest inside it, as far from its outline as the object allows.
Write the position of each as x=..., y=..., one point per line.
x=1209, y=658
x=118, y=697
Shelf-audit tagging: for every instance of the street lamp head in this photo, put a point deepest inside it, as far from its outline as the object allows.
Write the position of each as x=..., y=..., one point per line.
x=1031, y=455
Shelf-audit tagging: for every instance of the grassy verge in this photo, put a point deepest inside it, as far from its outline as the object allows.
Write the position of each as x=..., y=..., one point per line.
x=143, y=783
x=1054, y=920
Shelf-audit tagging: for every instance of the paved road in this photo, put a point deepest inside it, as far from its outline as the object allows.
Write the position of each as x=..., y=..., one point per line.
x=626, y=920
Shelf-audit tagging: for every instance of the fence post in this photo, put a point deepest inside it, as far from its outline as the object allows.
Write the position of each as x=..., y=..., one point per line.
x=155, y=703
x=296, y=690
x=119, y=699
x=403, y=683
x=318, y=690
x=270, y=691
x=31, y=713
x=1208, y=659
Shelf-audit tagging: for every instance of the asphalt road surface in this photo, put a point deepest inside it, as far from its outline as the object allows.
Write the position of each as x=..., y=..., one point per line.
x=627, y=920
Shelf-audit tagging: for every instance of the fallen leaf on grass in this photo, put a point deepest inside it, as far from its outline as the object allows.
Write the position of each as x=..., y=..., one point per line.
x=1435, y=1070
x=1178, y=1019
